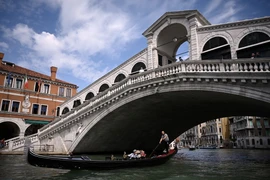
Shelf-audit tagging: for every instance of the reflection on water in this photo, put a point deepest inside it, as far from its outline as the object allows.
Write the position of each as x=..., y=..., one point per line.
x=199, y=164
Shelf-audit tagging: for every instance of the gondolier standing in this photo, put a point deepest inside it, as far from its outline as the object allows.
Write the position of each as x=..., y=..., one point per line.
x=164, y=140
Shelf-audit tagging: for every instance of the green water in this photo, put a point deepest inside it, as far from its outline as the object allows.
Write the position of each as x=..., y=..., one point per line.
x=232, y=164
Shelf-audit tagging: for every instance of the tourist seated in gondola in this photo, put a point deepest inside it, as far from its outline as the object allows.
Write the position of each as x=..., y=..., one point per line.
x=133, y=154
x=125, y=155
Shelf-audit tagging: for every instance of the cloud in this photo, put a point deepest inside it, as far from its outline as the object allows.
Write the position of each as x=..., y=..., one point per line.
x=4, y=45
x=212, y=6
x=228, y=13
x=87, y=29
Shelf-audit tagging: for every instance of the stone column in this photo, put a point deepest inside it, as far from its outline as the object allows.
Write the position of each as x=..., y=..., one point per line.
x=152, y=54
x=193, y=39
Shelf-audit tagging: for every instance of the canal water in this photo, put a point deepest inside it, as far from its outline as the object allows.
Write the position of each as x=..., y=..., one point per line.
x=216, y=164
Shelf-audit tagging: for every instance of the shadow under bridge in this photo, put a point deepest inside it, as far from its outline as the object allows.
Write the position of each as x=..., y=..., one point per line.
x=137, y=124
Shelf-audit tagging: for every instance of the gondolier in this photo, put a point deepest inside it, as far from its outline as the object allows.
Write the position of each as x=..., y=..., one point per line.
x=164, y=140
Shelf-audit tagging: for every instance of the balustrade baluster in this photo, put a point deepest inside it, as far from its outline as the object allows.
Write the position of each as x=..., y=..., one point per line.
x=205, y=67
x=261, y=67
x=245, y=67
x=251, y=68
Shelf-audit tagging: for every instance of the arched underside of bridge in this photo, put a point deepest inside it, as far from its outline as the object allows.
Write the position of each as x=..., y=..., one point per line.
x=137, y=124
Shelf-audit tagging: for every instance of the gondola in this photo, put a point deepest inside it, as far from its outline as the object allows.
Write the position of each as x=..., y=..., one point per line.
x=82, y=162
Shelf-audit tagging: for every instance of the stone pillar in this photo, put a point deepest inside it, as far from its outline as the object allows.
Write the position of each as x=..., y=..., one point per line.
x=152, y=54
x=193, y=39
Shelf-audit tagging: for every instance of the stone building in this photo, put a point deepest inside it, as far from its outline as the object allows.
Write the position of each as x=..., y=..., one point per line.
x=29, y=99
x=250, y=132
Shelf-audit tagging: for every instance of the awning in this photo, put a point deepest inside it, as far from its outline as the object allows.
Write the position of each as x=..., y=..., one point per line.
x=32, y=121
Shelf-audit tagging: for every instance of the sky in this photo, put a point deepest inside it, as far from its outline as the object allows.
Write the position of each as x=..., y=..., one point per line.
x=86, y=39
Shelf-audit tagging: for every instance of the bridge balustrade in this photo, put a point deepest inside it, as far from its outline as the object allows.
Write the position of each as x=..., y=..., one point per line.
x=205, y=66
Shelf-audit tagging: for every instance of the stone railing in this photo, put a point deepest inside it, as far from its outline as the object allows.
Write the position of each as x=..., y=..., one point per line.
x=206, y=66
x=17, y=142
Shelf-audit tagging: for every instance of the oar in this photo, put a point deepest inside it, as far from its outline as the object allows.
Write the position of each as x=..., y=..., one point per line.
x=154, y=150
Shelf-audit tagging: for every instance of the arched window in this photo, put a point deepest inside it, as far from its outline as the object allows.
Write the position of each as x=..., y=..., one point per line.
x=119, y=78
x=65, y=110
x=257, y=43
x=137, y=67
x=216, y=48
x=89, y=96
x=103, y=87
x=76, y=103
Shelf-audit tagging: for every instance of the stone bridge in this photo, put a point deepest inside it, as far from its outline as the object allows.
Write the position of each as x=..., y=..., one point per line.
x=173, y=98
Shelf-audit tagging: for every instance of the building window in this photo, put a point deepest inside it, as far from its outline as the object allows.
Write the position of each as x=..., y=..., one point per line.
x=18, y=84
x=9, y=81
x=15, y=106
x=68, y=93
x=35, y=109
x=5, y=105
x=268, y=140
x=261, y=142
x=253, y=142
x=46, y=89
x=43, y=110
x=220, y=130
x=247, y=141
x=61, y=91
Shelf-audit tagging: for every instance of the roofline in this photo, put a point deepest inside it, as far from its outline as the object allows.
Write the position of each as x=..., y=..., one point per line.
x=187, y=13
x=265, y=19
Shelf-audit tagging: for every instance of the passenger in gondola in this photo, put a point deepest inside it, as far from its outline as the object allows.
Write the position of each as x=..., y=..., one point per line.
x=112, y=157
x=132, y=155
x=125, y=155
x=143, y=155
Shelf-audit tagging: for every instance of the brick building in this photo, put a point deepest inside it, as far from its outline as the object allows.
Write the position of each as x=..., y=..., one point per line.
x=29, y=99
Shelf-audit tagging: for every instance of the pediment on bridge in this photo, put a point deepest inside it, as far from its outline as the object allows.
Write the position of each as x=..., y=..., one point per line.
x=166, y=18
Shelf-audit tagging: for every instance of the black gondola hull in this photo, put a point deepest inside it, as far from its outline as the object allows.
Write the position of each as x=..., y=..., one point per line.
x=82, y=163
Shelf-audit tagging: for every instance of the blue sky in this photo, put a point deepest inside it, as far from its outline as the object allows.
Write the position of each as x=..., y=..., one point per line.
x=86, y=39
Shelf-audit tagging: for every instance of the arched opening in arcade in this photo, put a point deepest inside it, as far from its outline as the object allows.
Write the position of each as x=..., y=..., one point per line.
x=89, y=96
x=216, y=48
x=9, y=130
x=138, y=67
x=172, y=44
x=255, y=42
x=65, y=110
x=119, y=78
x=76, y=103
x=103, y=87
x=32, y=129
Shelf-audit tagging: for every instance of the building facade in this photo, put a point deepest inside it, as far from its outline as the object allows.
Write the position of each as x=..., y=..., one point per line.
x=250, y=132
x=213, y=132
x=29, y=99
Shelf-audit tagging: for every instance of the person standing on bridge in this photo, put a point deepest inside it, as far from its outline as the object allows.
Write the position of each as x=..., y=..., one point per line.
x=164, y=140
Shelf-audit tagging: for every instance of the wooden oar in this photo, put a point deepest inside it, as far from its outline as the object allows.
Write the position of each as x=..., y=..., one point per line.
x=154, y=150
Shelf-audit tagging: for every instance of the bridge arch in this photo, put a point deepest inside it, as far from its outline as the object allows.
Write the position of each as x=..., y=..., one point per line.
x=119, y=77
x=89, y=96
x=224, y=35
x=137, y=67
x=253, y=42
x=103, y=87
x=236, y=99
x=65, y=110
x=170, y=38
x=76, y=103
